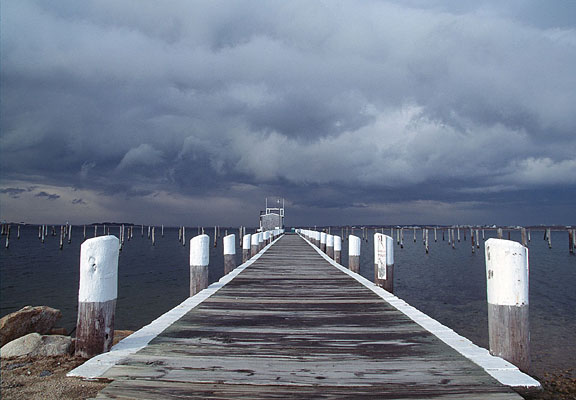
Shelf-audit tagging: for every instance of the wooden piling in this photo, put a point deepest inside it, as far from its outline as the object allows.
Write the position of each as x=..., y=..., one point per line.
x=435, y=234
x=499, y=233
x=97, y=295
x=472, y=242
x=184, y=236
x=84, y=234
x=337, y=249
x=507, y=274
x=384, y=261
x=571, y=241
x=524, y=238
x=458, y=231
x=414, y=235
x=18, y=234
x=330, y=246
x=549, y=236
x=246, y=248
x=255, y=243
x=354, y=253
x=426, y=241
x=95, y=230
x=229, y=245
x=199, y=259
x=153, y=235
x=7, y=237
x=61, y=237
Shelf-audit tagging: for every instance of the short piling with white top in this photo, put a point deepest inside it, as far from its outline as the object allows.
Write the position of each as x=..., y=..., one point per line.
x=97, y=295
x=199, y=259
x=354, y=253
x=337, y=249
x=384, y=261
x=330, y=245
x=229, y=253
x=507, y=273
x=246, y=242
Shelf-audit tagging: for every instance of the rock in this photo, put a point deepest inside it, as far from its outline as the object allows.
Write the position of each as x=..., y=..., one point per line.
x=35, y=344
x=119, y=335
x=58, y=331
x=28, y=320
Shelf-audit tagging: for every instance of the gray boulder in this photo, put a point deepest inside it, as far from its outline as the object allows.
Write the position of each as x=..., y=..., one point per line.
x=39, y=319
x=35, y=344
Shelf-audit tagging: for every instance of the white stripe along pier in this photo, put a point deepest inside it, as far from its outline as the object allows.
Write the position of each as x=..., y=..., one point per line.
x=293, y=323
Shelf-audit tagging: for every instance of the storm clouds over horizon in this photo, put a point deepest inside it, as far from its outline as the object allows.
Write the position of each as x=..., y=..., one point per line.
x=192, y=112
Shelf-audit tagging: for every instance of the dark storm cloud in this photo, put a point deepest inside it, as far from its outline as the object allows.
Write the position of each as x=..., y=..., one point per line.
x=49, y=196
x=340, y=104
x=13, y=192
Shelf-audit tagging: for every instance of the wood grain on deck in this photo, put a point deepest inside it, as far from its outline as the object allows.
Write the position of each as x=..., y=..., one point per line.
x=293, y=326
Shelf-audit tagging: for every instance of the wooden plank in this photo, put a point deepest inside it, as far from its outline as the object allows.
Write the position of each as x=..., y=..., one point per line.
x=292, y=326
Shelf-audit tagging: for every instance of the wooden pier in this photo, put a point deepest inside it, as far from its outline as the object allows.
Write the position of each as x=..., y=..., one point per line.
x=291, y=325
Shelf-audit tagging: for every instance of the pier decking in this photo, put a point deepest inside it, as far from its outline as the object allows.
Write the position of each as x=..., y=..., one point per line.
x=294, y=326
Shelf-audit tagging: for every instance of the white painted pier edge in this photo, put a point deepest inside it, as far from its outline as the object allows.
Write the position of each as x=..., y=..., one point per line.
x=94, y=368
x=500, y=369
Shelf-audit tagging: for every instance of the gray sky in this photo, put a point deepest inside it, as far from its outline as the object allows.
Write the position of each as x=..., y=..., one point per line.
x=366, y=112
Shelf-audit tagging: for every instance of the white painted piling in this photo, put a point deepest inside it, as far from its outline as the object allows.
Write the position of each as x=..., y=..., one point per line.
x=507, y=273
x=199, y=259
x=184, y=236
x=354, y=243
x=337, y=249
x=95, y=230
x=97, y=295
x=246, y=247
x=255, y=243
x=323, y=241
x=229, y=244
x=330, y=246
x=384, y=261
x=69, y=234
x=260, y=241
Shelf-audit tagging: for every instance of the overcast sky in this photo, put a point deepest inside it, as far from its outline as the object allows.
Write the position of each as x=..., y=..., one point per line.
x=356, y=112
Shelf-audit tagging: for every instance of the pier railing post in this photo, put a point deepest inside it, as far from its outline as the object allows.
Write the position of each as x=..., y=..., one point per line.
x=260, y=240
x=507, y=273
x=199, y=259
x=229, y=253
x=337, y=249
x=330, y=246
x=384, y=261
x=246, y=241
x=97, y=295
x=354, y=253
x=323, y=241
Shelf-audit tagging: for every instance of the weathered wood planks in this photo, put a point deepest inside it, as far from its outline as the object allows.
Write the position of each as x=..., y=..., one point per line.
x=293, y=326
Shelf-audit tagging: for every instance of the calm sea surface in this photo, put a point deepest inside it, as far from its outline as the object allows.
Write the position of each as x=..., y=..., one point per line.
x=447, y=284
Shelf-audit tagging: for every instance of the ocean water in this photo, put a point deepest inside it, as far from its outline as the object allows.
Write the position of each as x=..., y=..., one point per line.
x=447, y=284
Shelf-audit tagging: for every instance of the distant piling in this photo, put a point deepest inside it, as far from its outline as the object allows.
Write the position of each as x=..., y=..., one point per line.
x=384, y=261
x=199, y=259
x=354, y=243
x=97, y=295
x=507, y=273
